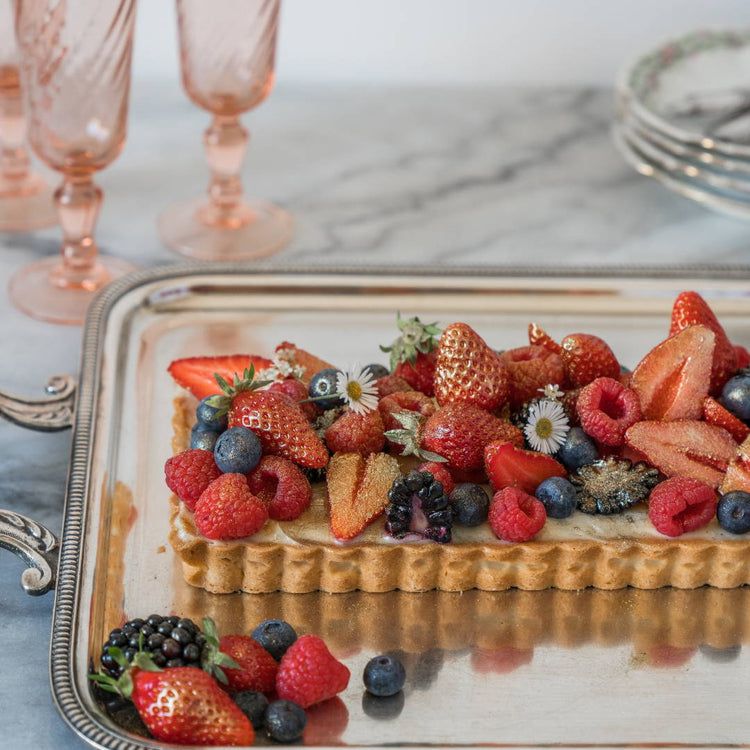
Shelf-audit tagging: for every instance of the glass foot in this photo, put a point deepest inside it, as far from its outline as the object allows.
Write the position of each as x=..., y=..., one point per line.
x=39, y=290
x=268, y=230
x=27, y=209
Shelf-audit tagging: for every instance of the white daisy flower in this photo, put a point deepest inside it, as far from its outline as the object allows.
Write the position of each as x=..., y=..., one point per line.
x=357, y=387
x=283, y=366
x=547, y=426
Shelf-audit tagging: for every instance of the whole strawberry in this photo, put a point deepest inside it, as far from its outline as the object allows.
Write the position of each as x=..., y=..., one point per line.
x=468, y=371
x=228, y=510
x=309, y=673
x=413, y=354
x=353, y=432
x=257, y=668
x=587, y=357
x=280, y=424
x=189, y=473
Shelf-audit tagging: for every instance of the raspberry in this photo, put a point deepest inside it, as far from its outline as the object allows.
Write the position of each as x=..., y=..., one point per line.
x=531, y=368
x=297, y=392
x=681, y=504
x=189, y=473
x=356, y=433
x=606, y=409
x=228, y=510
x=309, y=673
x=441, y=473
x=282, y=487
x=515, y=516
x=391, y=384
x=257, y=667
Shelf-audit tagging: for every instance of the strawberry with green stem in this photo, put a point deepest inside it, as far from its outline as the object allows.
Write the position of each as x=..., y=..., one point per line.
x=413, y=353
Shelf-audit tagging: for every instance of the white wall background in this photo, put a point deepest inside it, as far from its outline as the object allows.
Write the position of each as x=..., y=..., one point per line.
x=453, y=41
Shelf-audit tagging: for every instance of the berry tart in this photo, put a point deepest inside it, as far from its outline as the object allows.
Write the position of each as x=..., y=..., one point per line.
x=459, y=466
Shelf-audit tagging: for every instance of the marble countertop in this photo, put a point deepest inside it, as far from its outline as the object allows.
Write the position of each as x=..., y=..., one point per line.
x=373, y=176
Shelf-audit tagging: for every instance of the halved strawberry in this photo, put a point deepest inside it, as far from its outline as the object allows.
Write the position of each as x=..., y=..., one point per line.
x=197, y=374
x=672, y=380
x=690, y=309
x=539, y=337
x=304, y=363
x=684, y=448
x=508, y=466
x=738, y=472
x=715, y=413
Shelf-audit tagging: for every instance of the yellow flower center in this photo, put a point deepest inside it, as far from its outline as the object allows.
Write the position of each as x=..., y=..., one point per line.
x=354, y=390
x=543, y=428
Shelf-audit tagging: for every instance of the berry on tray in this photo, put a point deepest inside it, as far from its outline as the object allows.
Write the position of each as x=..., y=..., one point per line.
x=587, y=357
x=276, y=636
x=384, y=676
x=515, y=516
x=733, y=512
x=282, y=486
x=256, y=667
x=228, y=510
x=198, y=374
x=681, y=504
x=285, y=721
x=189, y=473
x=253, y=704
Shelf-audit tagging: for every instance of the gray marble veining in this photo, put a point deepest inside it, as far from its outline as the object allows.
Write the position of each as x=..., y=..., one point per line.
x=373, y=176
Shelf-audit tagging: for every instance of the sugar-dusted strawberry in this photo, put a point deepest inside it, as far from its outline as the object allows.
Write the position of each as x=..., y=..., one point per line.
x=257, y=668
x=197, y=374
x=189, y=473
x=587, y=357
x=690, y=309
x=684, y=448
x=297, y=391
x=282, y=487
x=300, y=362
x=743, y=357
x=391, y=384
x=413, y=353
x=510, y=466
x=672, y=380
x=737, y=476
x=228, y=510
x=530, y=368
x=714, y=413
x=681, y=504
x=459, y=433
x=355, y=432
x=516, y=516
x=606, y=409
x=469, y=371
x=441, y=473
x=309, y=673
x=539, y=337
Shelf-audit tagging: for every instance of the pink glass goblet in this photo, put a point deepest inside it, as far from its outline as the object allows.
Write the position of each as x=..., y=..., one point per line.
x=25, y=198
x=227, y=51
x=75, y=70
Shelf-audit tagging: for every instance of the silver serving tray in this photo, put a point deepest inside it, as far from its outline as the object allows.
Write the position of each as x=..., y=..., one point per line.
x=590, y=668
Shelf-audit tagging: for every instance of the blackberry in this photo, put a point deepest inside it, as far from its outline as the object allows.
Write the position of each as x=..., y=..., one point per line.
x=611, y=485
x=417, y=504
x=171, y=641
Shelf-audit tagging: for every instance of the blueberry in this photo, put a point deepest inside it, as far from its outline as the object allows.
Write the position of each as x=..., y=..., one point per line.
x=275, y=636
x=384, y=675
x=735, y=396
x=207, y=416
x=253, y=705
x=285, y=721
x=470, y=504
x=719, y=654
x=202, y=438
x=733, y=512
x=577, y=450
x=237, y=450
x=376, y=370
x=558, y=496
x=322, y=385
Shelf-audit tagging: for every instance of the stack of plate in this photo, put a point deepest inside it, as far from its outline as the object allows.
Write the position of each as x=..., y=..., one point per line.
x=683, y=118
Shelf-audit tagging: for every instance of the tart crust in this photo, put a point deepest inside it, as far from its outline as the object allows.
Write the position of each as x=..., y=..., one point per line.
x=301, y=556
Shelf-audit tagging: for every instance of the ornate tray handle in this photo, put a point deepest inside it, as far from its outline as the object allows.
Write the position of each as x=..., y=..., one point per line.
x=36, y=545
x=43, y=414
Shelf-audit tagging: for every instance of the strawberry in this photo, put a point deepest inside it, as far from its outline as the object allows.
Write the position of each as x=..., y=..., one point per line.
x=684, y=448
x=441, y=473
x=587, y=357
x=281, y=486
x=672, y=380
x=413, y=353
x=303, y=364
x=309, y=673
x=738, y=472
x=257, y=668
x=297, y=392
x=468, y=371
x=228, y=510
x=743, y=357
x=397, y=403
x=681, y=504
x=515, y=516
x=279, y=423
x=189, y=473
x=530, y=368
x=714, y=413
x=459, y=433
x=197, y=374
x=690, y=309
x=353, y=432
x=391, y=384
x=539, y=337
x=510, y=466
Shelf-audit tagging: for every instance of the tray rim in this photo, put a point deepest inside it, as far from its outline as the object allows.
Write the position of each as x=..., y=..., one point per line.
x=67, y=593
